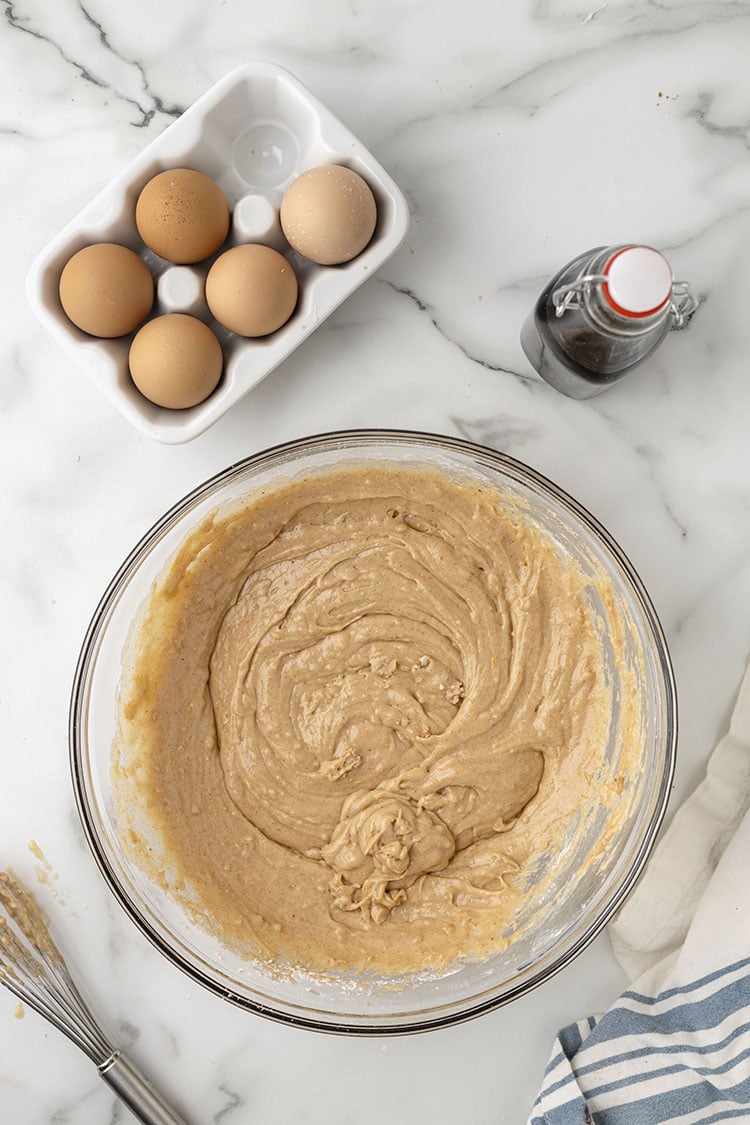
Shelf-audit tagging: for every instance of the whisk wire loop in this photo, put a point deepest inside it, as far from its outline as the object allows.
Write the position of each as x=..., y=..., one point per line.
x=33, y=969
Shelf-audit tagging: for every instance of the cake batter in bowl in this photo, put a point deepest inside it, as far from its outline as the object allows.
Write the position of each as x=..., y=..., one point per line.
x=373, y=732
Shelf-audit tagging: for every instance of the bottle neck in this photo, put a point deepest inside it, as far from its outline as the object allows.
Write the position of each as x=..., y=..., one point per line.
x=603, y=310
x=587, y=293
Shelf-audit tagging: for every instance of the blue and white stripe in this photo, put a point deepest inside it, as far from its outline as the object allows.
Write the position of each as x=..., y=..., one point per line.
x=679, y=1058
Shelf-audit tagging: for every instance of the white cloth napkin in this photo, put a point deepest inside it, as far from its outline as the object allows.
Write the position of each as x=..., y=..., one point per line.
x=677, y=895
x=675, y=1047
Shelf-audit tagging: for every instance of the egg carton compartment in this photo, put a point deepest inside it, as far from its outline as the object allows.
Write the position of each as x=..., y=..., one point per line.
x=253, y=133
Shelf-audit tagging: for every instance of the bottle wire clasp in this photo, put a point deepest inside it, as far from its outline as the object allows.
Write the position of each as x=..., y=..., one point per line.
x=569, y=296
x=682, y=305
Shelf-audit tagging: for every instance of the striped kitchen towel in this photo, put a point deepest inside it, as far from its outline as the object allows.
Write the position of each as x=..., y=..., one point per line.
x=675, y=1047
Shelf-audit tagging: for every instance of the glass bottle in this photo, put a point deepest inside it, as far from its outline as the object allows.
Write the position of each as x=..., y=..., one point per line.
x=603, y=314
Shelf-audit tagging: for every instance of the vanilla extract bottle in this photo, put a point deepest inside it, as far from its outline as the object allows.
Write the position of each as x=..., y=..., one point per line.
x=602, y=315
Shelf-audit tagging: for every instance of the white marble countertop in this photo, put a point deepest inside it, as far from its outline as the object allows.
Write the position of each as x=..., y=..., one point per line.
x=522, y=134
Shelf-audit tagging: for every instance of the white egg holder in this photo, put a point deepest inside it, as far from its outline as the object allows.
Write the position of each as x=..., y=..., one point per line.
x=253, y=133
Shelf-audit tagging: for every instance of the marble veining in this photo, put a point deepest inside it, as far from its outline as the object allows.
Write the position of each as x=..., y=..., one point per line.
x=522, y=134
x=130, y=75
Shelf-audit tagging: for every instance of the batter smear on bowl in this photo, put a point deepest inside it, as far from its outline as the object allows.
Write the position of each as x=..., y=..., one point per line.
x=355, y=710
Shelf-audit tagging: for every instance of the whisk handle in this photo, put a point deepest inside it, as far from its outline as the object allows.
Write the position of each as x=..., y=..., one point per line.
x=137, y=1093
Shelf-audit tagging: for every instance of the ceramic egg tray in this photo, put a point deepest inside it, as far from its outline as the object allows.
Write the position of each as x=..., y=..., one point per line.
x=253, y=133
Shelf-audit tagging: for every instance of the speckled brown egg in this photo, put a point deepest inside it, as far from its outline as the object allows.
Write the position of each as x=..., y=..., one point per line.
x=182, y=216
x=328, y=214
x=251, y=290
x=176, y=361
x=106, y=290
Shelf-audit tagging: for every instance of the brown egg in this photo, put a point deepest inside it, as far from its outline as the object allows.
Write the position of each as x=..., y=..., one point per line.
x=182, y=216
x=328, y=214
x=106, y=290
x=251, y=290
x=176, y=361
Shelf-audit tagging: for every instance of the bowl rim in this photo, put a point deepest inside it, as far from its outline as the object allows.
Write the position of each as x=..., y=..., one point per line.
x=267, y=457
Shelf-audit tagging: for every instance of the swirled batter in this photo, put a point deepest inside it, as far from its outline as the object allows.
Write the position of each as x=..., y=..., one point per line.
x=359, y=706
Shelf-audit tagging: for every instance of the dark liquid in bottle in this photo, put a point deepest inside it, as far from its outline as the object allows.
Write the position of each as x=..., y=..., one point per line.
x=576, y=357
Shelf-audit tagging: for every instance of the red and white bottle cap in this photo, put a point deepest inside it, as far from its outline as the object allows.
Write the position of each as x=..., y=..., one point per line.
x=639, y=281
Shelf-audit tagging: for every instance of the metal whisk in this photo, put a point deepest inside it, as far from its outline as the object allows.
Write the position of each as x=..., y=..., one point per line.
x=32, y=967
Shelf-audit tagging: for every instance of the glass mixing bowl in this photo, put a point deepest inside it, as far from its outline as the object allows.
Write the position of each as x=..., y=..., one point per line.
x=580, y=894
